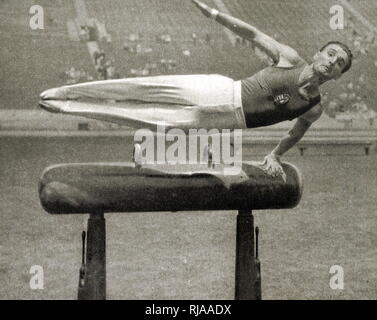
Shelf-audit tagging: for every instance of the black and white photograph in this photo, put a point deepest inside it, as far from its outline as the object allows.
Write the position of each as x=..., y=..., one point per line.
x=168, y=150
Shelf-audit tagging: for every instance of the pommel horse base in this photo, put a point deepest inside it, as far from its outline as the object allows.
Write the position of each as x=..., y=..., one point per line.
x=98, y=188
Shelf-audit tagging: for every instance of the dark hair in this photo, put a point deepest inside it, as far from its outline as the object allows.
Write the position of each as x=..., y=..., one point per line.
x=345, y=48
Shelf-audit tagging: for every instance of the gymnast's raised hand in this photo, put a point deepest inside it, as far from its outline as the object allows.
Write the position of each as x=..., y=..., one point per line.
x=206, y=10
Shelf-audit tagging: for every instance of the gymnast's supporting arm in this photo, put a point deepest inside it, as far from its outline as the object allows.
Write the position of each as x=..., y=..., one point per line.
x=277, y=51
x=303, y=123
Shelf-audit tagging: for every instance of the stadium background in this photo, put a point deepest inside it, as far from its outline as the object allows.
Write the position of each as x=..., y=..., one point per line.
x=175, y=255
x=34, y=60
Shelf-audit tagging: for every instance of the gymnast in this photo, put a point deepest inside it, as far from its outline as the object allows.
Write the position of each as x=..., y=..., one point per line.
x=287, y=90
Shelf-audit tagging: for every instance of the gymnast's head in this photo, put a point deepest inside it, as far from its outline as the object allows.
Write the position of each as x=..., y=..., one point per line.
x=332, y=60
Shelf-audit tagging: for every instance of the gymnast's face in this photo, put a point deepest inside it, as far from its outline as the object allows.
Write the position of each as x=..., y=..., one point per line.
x=330, y=62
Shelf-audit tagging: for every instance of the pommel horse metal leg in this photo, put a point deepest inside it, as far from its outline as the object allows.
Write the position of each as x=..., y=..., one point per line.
x=92, y=281
x=248, y=280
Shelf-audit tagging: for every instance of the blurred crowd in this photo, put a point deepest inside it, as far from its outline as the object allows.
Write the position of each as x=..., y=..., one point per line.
x=74, y=75
x=135, y=45
x=362, y=43
x=351, y=103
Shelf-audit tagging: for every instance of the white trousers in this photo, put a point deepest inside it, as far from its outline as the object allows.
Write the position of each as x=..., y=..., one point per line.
x=178, y=101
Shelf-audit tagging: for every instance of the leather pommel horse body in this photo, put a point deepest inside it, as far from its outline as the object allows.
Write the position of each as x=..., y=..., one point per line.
x=98, y=188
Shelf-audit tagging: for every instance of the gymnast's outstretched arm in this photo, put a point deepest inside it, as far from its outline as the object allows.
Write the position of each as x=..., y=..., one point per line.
x=277, y=51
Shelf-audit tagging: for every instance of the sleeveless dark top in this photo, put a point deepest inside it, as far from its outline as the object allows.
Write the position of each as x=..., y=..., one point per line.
x=272, y=96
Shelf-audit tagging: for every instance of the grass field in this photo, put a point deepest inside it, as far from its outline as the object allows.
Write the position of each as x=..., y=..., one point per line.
x=190, y=255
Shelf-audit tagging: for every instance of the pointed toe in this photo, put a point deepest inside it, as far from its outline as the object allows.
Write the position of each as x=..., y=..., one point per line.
x=53, y=94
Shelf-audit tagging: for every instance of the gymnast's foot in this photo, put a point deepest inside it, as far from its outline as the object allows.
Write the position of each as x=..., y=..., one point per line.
x=56, y=94
x=49, y=106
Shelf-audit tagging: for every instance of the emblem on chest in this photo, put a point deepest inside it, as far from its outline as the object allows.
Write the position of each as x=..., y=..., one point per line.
x=281, y=99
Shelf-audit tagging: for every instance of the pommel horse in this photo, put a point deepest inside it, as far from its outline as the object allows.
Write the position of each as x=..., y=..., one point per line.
x=98, y=188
